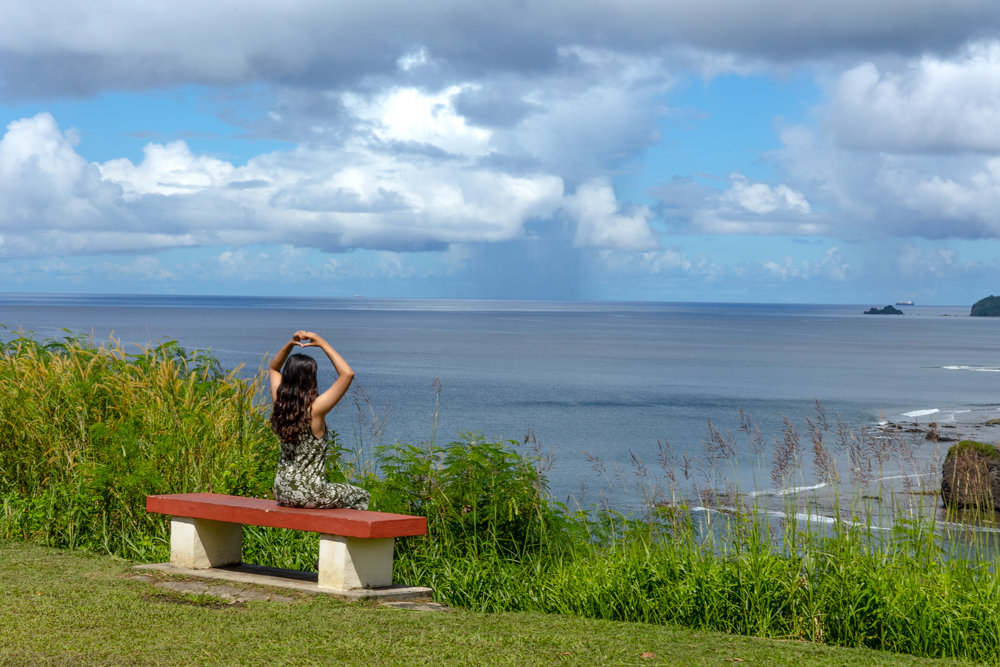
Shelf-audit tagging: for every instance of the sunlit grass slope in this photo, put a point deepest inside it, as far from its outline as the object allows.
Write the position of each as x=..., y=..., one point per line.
x=68, y=608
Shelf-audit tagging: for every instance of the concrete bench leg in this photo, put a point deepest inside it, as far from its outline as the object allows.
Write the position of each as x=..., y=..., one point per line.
x=351, y=562
x=202, y=543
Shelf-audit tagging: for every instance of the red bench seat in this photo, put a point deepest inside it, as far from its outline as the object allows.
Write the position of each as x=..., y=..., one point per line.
x=261, y=512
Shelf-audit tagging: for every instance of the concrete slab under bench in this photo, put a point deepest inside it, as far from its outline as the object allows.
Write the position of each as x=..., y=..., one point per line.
x=307, y=582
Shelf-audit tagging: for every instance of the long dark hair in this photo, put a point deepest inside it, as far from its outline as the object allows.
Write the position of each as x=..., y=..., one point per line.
x=296, y=393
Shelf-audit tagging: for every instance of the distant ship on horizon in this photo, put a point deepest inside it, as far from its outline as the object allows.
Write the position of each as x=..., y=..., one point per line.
x=904, y=303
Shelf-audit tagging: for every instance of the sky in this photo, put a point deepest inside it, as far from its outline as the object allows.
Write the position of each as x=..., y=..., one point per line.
x=771, y=151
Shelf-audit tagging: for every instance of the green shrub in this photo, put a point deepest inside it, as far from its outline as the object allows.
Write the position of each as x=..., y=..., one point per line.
x=987, y=451
x=472, y=492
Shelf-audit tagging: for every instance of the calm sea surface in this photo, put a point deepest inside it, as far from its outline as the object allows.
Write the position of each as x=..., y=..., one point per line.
x=596, y=377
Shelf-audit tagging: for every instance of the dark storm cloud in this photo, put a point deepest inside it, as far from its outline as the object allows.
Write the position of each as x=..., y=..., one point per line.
x=73, y=48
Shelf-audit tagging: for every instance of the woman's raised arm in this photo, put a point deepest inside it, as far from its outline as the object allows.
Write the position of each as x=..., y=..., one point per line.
x=274, y=368
x=329, y=398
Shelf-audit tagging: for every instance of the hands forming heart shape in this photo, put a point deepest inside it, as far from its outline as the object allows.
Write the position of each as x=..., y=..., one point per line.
x=305, y=338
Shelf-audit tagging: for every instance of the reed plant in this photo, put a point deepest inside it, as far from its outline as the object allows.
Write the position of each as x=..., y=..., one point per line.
x=822, y=548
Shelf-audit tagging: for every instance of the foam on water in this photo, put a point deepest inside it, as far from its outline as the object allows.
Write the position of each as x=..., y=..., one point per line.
x=829, y=520
x=798, y=516
x=921, y=413
x=951, y=416
x=788, y=491
x=920, y=474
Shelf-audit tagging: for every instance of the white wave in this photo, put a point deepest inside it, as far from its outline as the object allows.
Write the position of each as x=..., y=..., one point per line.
x=829, y=520
x=820, y=518
x=951, y=416
x=785, y=492
x=922, y=474
x=967, y=526
x=797, y=489
x=920, y=413
x=798, y=516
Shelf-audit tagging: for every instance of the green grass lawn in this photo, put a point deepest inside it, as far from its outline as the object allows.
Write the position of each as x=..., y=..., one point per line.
x=71, y=608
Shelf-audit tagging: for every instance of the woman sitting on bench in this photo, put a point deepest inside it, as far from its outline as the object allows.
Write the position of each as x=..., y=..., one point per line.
x=299, y=419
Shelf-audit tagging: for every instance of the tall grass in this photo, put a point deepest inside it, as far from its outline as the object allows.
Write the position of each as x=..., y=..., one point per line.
x=88, y=430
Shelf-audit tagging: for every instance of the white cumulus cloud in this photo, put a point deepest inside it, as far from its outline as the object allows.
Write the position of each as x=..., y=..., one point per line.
x=745, y=207
x=930, y=104
x=169, y=169
x=899, y=194
x=601, y=222
x=355, y=196
x=412, y=115
x=762, y=198
x=833, y=265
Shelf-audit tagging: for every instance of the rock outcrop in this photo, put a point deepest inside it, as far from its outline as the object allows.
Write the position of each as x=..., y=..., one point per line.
x=988, y=307
x=970, y=476
x=888, y=310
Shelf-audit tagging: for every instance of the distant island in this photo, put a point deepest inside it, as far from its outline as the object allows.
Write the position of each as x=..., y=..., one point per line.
x=888, y=310
x=988, y=307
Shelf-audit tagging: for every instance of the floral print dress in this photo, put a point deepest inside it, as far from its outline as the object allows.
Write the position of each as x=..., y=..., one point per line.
x=301, y=482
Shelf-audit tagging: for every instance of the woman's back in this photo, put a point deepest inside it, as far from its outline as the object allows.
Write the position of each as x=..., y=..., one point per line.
x=301, y=480
x=306, y=453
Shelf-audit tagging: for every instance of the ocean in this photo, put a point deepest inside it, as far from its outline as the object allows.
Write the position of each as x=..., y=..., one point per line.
x=608, y=380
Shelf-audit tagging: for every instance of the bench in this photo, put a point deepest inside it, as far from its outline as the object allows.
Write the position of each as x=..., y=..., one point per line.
x=355, y=546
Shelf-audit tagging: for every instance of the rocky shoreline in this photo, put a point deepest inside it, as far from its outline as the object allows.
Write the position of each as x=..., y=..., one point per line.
x=970, y=472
